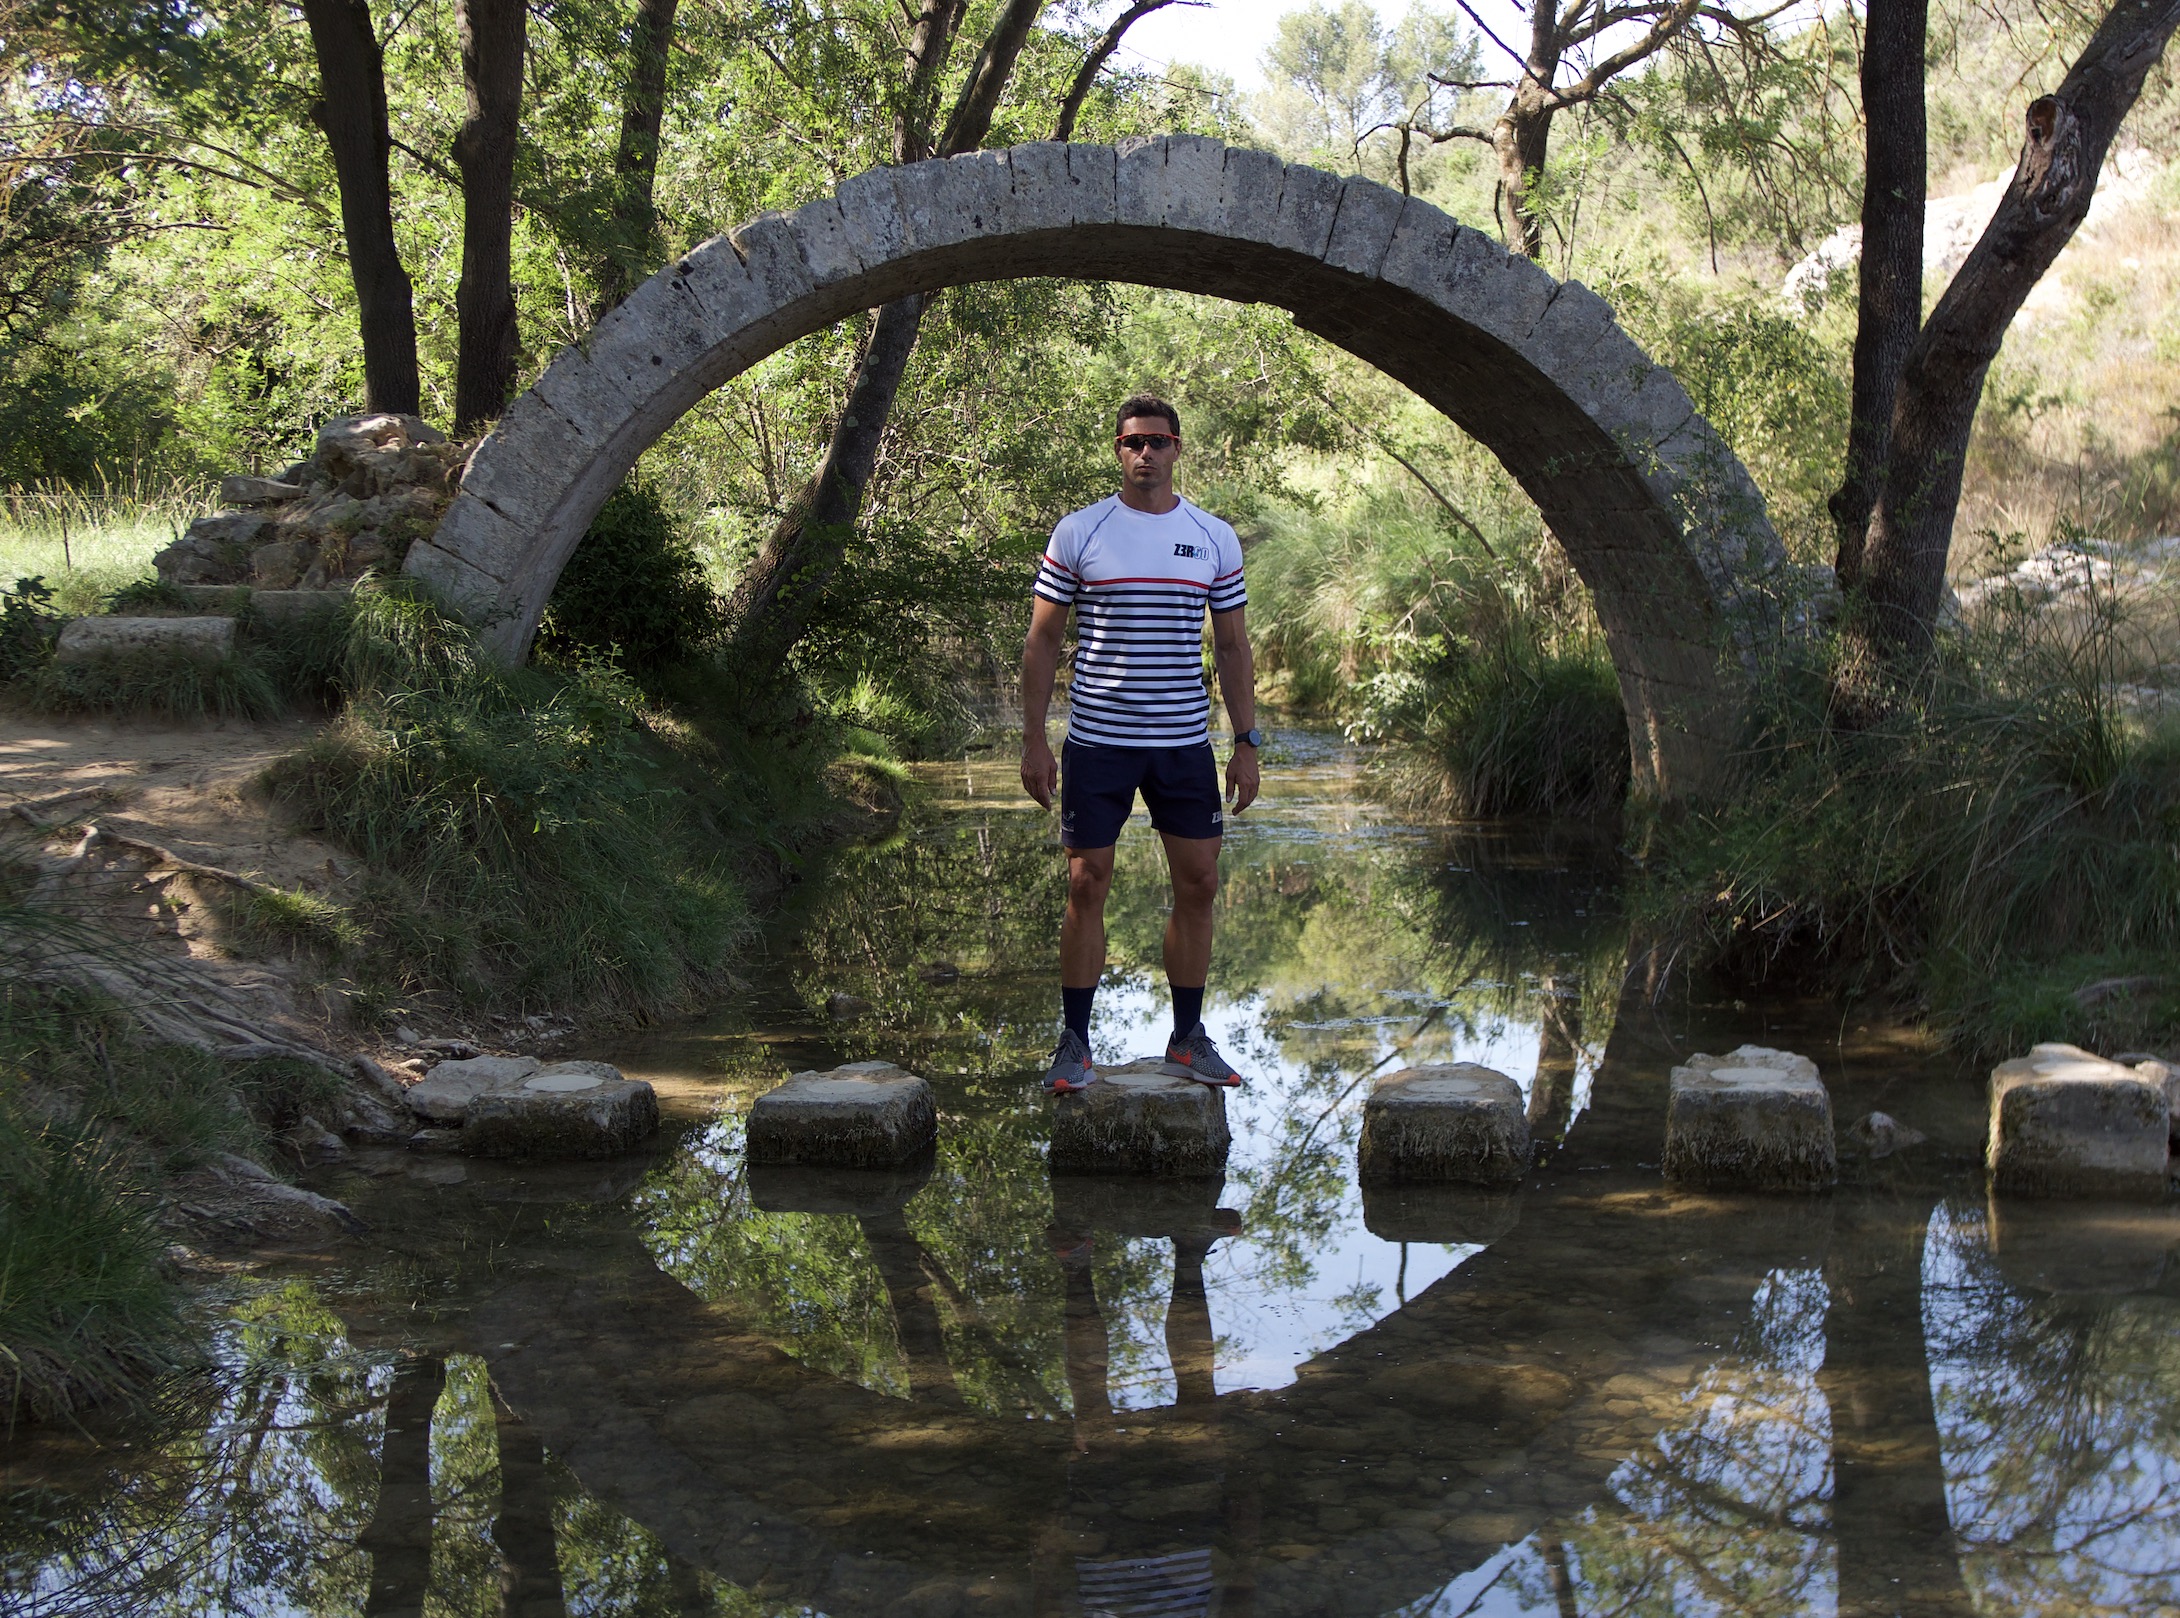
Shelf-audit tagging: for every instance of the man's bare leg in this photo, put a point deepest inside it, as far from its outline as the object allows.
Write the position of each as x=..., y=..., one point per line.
x=1193, y=864
x=1082, y=929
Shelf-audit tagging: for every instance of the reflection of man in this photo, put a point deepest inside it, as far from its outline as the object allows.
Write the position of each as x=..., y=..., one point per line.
x=1140, y=568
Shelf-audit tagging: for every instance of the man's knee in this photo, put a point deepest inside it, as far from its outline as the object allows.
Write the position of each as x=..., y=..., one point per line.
x=1195, y=888
x=1087, y=885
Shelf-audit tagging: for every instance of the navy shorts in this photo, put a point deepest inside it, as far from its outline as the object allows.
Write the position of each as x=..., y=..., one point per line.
x=1180, y=787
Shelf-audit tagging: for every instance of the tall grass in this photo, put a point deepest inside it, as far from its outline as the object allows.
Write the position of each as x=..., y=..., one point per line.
x=2001, y=844
x=88, y=542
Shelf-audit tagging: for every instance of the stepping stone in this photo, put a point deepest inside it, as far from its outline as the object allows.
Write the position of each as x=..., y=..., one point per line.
x=114, y=639
x=863, y=1115
x=568, y=1110
x=1753, y=1120
x=563, y=1111
x=2065, y=1123
x=1128, y=1206
x=1450, y=1215
x=444, y=1095
x=1448, y=1121
x=1140, y=1119
x=797, y=1188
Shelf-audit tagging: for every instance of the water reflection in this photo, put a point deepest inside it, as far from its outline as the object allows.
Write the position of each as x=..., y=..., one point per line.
x=678, y=1387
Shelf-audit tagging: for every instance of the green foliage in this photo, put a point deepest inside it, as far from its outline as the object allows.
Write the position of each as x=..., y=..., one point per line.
x=1996, y=829
x=28, y=627
x=633, y=592
x=243, y=685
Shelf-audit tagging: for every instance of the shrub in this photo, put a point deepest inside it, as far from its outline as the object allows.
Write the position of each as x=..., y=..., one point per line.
x=633, y=591
x=28, y=627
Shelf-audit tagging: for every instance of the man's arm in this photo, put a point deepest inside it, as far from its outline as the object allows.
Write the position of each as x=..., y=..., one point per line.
x=1040, y=667
x=1238, y=685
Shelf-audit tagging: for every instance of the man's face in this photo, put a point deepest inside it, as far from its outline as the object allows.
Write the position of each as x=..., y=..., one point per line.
x=1147, y=447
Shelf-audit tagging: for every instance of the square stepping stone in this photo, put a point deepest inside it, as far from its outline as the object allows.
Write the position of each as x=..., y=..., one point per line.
x=1140, y=1119
x=863, y=1115
x=1756, y=1119
x=568, y=1110
x=446, y=1093
x=2065, y=1123
x=1448, y=1215
x=1448, y=1121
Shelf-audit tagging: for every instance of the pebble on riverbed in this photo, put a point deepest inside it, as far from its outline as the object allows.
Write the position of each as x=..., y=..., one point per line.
x=1140, y=1119
x=1756, y=1119
x=1448, y=1121
x=2065, y=1123
x=862, y=1115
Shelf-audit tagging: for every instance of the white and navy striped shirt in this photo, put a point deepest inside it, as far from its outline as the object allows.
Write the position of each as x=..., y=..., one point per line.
x=1139, y=585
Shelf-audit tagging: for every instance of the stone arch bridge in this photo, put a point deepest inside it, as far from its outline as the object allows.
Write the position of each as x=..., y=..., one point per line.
x=1660, y=520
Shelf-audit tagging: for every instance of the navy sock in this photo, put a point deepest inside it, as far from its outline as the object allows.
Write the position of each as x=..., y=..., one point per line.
x=1075, y=1006
x=1188, y=1008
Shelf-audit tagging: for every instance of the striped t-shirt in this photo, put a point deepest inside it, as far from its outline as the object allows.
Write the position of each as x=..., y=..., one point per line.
x=1139, y=585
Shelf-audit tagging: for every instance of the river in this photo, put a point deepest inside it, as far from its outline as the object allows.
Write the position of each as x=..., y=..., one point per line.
x=660, y=1386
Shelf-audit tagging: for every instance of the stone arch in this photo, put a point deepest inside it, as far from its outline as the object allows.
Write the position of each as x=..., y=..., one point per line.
x=1661, y=522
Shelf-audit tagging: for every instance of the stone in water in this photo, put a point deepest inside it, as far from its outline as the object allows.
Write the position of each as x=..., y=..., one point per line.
x=569, y=1110
x=1449, y=1121
x=1754, y=1120
x=2065, y=1123
x=444, y=1095
x=1140, y=1119
x=863, y=1115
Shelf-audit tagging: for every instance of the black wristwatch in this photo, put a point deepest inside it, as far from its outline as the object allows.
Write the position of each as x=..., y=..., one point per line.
x=1253, y=736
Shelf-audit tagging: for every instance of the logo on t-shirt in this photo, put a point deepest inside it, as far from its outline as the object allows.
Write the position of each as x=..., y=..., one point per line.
x=1192, y=550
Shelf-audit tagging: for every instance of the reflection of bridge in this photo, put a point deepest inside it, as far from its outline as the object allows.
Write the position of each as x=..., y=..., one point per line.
x=1499, y=1400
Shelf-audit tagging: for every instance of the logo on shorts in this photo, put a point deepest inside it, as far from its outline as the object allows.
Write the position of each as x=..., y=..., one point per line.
x=1191, y=550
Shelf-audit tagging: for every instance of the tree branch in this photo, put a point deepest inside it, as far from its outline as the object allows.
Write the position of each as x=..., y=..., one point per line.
x=1101, y=51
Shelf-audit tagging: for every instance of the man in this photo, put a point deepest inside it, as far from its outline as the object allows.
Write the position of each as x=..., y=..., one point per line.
x=1140, y=568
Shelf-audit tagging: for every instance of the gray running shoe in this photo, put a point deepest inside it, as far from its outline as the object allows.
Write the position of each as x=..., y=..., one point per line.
x=1193, y=1056
x=1071, y=1068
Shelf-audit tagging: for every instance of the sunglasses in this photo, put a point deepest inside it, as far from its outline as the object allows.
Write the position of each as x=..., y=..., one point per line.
x=1150, y=441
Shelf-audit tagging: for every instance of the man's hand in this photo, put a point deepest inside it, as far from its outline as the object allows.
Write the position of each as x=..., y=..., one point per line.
x=1241, y=777
x=1041, y=771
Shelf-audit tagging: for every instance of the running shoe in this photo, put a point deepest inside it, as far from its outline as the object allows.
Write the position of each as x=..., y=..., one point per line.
x=1071, y=1068
x=1193, y=1056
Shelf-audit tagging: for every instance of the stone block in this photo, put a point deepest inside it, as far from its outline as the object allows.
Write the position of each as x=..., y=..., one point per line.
x=444, y=1095
x=1249, y=186
x=237, y=490
x=1094, y=173
x=1309, y=200
x=870, y=211
x=949, y=201
x=771, y=248
x=1132, y=1206
x=1450, y=1215
x=1045, y=194
x=829, y=247
x=804, y=1188
x=568, y=1110
x=2074, y=1248
x=863, y=1115
x=1362, y=231
x=1139, y=1119
x=280, y=565
x=447, y=568
x=112, y=640
x=586, y=397
x=1448, y=1121
x=2065, y=1123
x=1756, y=1119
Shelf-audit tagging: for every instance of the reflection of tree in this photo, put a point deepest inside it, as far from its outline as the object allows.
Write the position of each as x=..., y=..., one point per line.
x=398, y=1536
x=2061, y=1426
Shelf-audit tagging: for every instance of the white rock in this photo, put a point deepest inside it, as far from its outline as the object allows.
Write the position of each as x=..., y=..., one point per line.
x=445, y=1094
x=108, y=640
x=2067, y=1123
x=1140, y=1119
x=862, y=1115
x=1756, y=1119
x=1453, y=1121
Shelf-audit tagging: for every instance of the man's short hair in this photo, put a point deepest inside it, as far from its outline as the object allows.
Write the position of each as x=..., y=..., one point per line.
x=1146, y=405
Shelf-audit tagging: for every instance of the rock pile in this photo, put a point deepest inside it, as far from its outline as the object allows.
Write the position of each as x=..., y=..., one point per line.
x=373, y=485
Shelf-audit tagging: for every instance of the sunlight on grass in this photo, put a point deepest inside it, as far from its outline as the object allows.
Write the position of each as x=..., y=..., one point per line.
x=87, y=544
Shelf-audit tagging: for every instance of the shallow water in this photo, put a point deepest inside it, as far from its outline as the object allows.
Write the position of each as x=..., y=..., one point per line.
x=664, y=1386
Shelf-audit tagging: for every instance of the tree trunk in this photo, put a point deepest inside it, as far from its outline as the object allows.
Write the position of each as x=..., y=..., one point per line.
x=633, y=252
x=1890, y=275
x=900, y=1261
x=351, y=109
x=398, y=1537
x=1903, y=565
x=493, y=38
x=1521, y=139
x=530, y=1585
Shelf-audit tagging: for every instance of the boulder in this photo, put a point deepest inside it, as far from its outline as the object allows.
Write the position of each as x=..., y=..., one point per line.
x=568, y=1110
x=1140, y=1119
x=1880, y=1135
x=444, y=1095
x=1448, y=1121
x=1756, y=1119
x=248, y=491
x=280, y=565
x=2065, y=1123
x=1449, y=1215
x=862, y=1115
x=108, y=640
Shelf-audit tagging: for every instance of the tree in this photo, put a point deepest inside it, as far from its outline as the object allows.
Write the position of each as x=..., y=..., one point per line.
x=632, y=252
x=1890, y=275
x=1901, y=577
x=1562, y=69
x=493, y=37
x=1344, y=78
x=351, y=109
